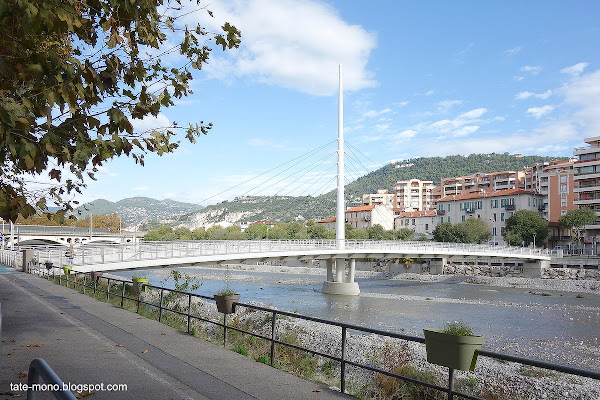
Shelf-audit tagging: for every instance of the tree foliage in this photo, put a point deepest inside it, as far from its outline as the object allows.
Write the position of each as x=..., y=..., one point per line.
x=112, y=222
x=74, y=77
x=522, y=226
x=473, y=230
x=576, y=219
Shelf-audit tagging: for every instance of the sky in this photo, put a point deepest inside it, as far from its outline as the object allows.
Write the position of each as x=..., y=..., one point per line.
x=420, y=79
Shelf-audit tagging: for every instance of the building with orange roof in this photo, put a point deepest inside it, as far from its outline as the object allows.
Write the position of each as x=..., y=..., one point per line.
x=382, y=197
x=587, y=188
x=363, y=217
x=414, y=195
x=494, y=207
x=479, y=182
x=422, y=223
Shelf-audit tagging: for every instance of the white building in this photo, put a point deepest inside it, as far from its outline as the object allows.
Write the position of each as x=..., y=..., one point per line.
x=364, y=217
x=422, y=222
x=382, y=197
x=587, y=185
x=414, y=195
x=493, y=207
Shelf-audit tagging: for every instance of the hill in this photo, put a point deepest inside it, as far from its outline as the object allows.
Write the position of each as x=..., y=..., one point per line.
x=138, y=209
x=280, y=208
x=289, y=208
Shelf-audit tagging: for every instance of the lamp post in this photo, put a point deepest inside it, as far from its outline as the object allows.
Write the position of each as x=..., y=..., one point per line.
x=534, y=235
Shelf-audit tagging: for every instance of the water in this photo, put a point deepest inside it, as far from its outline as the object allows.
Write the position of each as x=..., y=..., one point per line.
x=559, y=328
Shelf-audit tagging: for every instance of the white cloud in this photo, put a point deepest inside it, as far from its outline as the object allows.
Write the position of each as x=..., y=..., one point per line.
x=575, y=70
x=534, y=70
x=258, y=142
x=584, y=92
x=375, y=113
x=462, y=125
x=382, y=127
x=401, y=104
x=104, y=171
x=141, y=188
x=539, y=112
x=294, y=44
x=150, y=122
x=513, y=51
x=429, y=93
x=445, y=105
x=526, y=95
x=407, y=134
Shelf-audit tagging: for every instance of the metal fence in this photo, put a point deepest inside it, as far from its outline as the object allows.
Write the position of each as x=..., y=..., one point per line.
x=86, y=283
x=40, y=369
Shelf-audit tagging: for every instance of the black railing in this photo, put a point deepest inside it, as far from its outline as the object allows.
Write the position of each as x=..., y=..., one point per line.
x=343, y=359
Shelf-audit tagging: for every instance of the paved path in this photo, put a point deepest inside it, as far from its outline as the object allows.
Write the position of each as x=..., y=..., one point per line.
x=81, y=339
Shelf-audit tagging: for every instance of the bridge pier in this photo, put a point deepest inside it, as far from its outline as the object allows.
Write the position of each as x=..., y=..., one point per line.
x=436, y=266
x=339, y=283
x=534, y=269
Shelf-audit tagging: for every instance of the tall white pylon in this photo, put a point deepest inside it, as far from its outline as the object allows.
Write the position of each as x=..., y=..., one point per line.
x=340, y=231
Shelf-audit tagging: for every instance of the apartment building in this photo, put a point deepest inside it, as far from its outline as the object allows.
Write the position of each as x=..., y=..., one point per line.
x=364, y=217
x=479, y=182
x=493, y=207
x=382, y=197
x=555, y=181
x=587, y=185
x=414, y=195
x=422, y=222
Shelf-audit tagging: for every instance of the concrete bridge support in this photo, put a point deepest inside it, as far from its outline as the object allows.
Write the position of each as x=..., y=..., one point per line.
x=340, y=283
x=436, y=266
x=534, y=269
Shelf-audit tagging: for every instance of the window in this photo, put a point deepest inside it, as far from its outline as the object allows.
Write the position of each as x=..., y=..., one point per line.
x=448, y=219
x=529, y=201
x=502, y=230
x=494, y=216
x=563, y=179
x=501, y=216
x=448, y=208
x=426, y=227
x=563, y=212
x=563, y=195
x=462, y=218
x=413, y=221
x=494, y=231
x=442, y=220
x=563, y=188
x=563, y=204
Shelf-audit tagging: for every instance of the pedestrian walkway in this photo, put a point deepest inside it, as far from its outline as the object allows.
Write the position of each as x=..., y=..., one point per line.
x=90, y=342
x=4, y=269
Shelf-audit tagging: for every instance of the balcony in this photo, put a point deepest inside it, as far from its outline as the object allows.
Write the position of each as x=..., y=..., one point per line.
x=510, y=207
x=441, y=212
x=469, y=210
x=542, y=207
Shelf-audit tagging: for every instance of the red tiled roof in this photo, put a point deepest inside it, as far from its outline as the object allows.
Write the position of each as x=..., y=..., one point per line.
x=478, y=195
x=360, y=208
x=326, y=220
x=417, y=214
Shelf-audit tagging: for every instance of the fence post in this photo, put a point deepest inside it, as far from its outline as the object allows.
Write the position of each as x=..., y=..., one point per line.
x=123, y=294
x=273, y=337
x=225, y=330
x=84, y=281
x=107, y=289
x=343, y=362
x=189, y=311
x=160, y=307
x=450, y=383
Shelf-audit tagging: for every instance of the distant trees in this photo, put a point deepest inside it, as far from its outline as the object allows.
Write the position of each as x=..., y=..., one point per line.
x=473, y=230
x=280, y=231
x=112, y=222
x=523, y=226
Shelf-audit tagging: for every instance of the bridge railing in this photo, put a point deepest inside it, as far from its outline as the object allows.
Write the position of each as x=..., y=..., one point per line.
x=112, y=253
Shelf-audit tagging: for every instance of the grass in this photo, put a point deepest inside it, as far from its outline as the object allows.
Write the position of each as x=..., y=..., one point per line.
x=458, y=328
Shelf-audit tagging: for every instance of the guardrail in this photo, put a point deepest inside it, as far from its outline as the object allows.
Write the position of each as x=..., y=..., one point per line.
x=40, y=369
x=343, y=357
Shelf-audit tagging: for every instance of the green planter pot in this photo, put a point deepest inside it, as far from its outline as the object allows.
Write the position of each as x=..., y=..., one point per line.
x=139, y=284
x=452, y=351
x=67, y=269
x=225, y=303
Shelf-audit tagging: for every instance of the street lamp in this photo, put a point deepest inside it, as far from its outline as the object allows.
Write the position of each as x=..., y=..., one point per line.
x=534, y=235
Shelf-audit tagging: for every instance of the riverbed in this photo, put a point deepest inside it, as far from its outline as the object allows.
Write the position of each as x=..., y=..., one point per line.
x=520, y=316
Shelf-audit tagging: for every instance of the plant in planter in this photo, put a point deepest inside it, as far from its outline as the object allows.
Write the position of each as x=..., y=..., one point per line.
x=139, y=283
x=67, y=269
x=48, y=264
x=454, y=347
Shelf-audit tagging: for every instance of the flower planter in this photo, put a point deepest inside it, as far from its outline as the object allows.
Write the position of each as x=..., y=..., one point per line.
x=225, y=303
x=67, y=269
x=95, y=276
x=139, y=284
x=48, y=265
x=452, y=351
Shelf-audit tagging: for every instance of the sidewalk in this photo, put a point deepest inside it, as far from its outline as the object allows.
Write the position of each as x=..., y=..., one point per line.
x=90, y=342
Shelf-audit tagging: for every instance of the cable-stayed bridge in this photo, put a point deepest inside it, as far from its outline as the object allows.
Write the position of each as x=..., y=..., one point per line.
x=149, y=255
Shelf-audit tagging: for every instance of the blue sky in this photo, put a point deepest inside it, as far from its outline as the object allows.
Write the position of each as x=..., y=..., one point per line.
x=420, y=78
